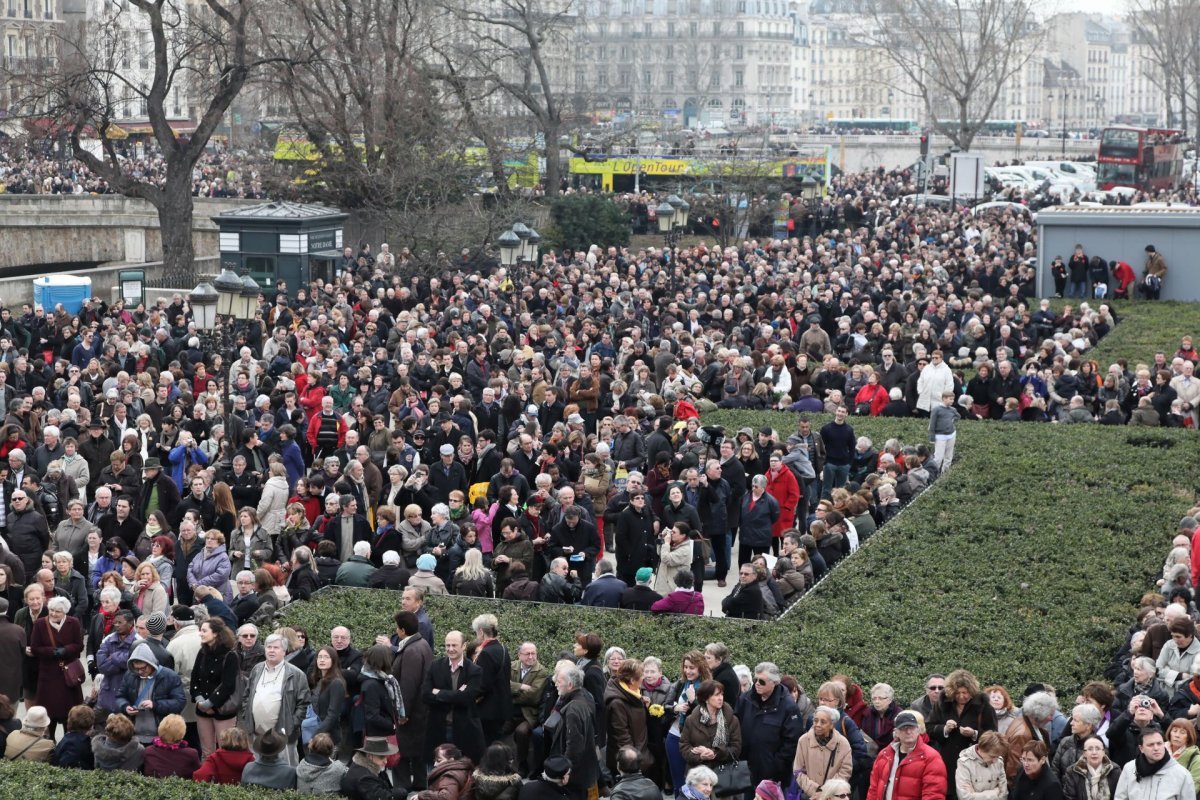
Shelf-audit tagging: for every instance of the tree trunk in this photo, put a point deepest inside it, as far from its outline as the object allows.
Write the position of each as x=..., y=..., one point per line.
x=551, y=151
x=175, y=216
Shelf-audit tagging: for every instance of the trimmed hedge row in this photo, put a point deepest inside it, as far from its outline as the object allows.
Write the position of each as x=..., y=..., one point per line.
x=1145, y=328
x=1024, y=563
x=20, y=780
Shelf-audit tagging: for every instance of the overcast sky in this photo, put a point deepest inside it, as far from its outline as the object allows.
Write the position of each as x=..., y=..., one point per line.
x=1102, y=6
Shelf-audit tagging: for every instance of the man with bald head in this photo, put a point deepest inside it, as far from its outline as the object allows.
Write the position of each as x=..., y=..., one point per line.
x=451, y=688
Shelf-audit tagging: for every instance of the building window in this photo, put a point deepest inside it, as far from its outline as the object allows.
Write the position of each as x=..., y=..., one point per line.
x=714, y=81
x=738, y=78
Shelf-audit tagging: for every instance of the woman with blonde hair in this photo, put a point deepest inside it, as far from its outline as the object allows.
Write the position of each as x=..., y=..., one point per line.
x=959, y=718
x=148, y=592
x=169, y=755
x=473, y=579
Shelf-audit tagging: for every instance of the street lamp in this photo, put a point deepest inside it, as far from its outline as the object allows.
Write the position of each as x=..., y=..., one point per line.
x=250, y=292
x=809, y=188
x=509, y=243
x=203, y=302
x=229, y=292
x=531, y=246
x=666, y=217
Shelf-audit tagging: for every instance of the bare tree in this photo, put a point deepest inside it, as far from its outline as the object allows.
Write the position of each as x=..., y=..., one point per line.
x=1168, y=29
x=957, y=55
x=513, y=43
x=206, y=50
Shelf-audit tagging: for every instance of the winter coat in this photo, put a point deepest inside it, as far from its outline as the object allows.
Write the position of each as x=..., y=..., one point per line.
x=698, y=733
x=671, y=560
x=1075, y=782
x=680, y=601
x=110, y=756
x=319, y=775
x=409, y=667
x=165, y=761
x=784, y=487
x=626, y=718
x=166, y=692
x=635, y=787
x=817, y=763
x=211, y=569
x=112, y=661
x=272, y=504
x=977, y=713
x=291, y=710
x=496, y=787
x=770, y=732
x=449, y=780
x=1172, y=782
x=273, y=772
x=1045, y=786
x=634, y=537
x=224, y=766
x=921, y=775
x=47, y=644
x=73, y=750
x=758, y=519
x=974, y=781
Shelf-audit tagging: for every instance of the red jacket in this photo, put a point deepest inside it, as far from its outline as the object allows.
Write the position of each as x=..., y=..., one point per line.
x=876, y=395
x=784, y=488
x=314, y=427
x=920, y=776
x=223, y=766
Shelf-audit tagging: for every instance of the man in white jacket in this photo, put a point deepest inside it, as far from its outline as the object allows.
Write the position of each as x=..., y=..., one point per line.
x=1154, y=775
x=934, y=379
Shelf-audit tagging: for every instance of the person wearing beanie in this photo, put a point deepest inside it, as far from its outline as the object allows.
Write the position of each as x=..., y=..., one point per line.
x=151, y=628
x=641, y=596
x=424, y=578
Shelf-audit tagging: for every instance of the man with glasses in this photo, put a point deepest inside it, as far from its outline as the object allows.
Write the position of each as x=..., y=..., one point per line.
x=276, y=697
x=28, y=532
x=250, y=651
x=934, y=686
x=636, y=529
x=770, y=724
x=908, y=768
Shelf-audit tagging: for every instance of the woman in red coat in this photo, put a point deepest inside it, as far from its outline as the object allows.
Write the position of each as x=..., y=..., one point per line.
x=783, y=486
x=57, y=641
x=872, y=393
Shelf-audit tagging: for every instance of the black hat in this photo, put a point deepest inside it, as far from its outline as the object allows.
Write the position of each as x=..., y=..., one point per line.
x=151, y=462
x=556, y=767
x=766, y=432
x=1150, y=248
x=378, y=746
x=183, y=613
x=95, y=423
x=906, y=719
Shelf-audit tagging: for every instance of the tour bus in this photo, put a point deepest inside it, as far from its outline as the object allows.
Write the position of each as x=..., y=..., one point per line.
x=1141, y=158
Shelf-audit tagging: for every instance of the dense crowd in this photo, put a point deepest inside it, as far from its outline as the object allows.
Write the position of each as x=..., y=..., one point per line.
x=220, y=172
x=529, y=435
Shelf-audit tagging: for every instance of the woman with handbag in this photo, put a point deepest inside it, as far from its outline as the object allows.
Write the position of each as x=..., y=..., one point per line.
x=215, y=688
x=682, y=700
x=56, y=643
x=712, y=735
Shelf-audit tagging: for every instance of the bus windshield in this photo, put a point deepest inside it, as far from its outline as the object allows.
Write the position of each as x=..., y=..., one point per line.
x=1120, y=143
x=1116, y=174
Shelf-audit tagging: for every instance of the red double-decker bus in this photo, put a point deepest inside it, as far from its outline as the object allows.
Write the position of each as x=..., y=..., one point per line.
x=1142, y=158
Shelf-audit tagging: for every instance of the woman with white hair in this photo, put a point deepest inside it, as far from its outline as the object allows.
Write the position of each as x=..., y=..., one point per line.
x=822, y=753
x=56, y=643
x=1144, y=680
x=699, y=784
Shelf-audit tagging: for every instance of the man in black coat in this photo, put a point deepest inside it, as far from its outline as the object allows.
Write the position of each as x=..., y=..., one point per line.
x=745, y=601
x=447, y=474
x=158, y=490
x=12, y=651
x=556, y=772
x=450, y=688
x=367, y=777
x=574, y=735
x=495, y=704
x=576, y=540
x=413, y=659
x=122, y=524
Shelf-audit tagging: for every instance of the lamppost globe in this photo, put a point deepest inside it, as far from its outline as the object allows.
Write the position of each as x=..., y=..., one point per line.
x=509, y=244
x=203, y=301
x=229, y=292
x=666, y=217
x=250, y=292
x=531, y=246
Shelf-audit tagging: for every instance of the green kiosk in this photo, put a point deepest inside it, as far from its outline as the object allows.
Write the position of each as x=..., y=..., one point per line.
x=279, y=241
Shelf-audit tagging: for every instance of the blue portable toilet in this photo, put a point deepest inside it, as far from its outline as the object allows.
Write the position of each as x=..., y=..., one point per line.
x=70, y=290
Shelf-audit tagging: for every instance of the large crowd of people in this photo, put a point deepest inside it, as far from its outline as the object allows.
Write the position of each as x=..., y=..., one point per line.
x=533, y=435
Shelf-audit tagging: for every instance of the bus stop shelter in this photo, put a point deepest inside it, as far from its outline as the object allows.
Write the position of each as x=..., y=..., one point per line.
x=1121, y=233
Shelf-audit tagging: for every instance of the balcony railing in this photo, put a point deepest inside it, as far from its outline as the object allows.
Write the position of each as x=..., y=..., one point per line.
x=26, y=64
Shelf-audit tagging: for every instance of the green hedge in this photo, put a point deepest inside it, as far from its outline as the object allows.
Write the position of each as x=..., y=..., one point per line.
x=1024, y=563
x=26, y=781
x=1145, y=328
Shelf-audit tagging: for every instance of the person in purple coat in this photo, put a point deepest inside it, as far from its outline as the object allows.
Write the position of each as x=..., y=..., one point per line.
x=683, y=600
x=211, y=567
x=112, y=659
